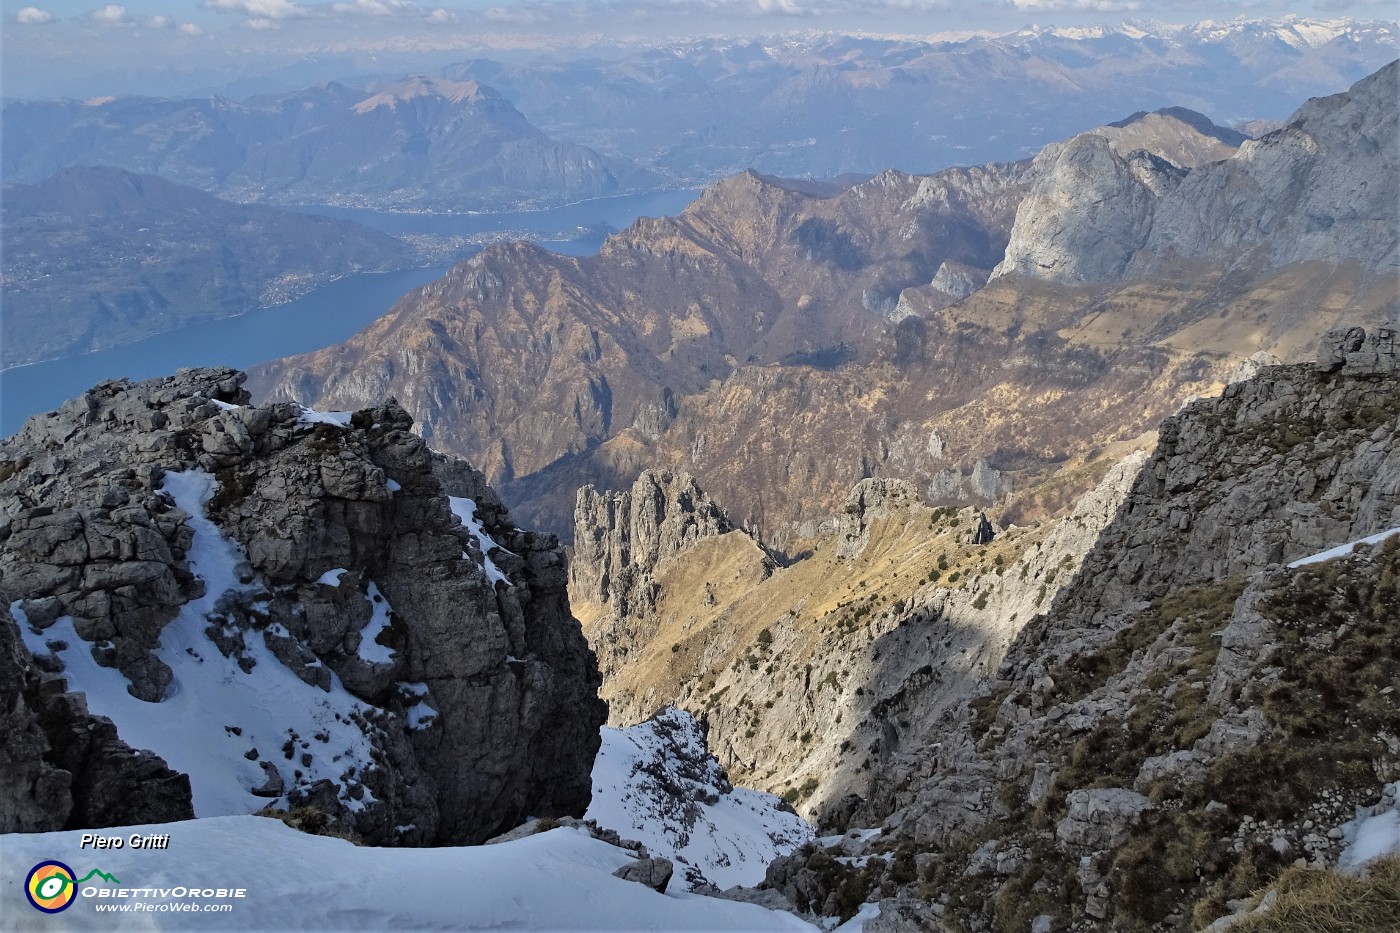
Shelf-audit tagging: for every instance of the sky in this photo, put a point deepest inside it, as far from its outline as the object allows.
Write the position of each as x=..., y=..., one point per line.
x=86, y=47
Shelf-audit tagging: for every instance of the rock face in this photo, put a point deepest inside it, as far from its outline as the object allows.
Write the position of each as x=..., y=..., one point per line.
x=620, y=538
x=1322, y=188
x=164, y=540
x=1089, y=212
x=1353, y=351
x=1196, y=709
x=67, y=769
x=871, y=501
x=813, y=677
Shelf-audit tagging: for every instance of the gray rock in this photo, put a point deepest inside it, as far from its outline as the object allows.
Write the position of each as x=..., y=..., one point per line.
x=1322, y=188
x=870, y=501
x=1099, y=819
x=1089, y=213
x=655, y=873
x=1354, y=351
x=86, y=534
x=619, y=538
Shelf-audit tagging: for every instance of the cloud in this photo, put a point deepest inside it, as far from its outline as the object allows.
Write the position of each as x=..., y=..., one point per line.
x=33, y=16
x=530, y=12
x=190, y=29
x=113, y=14
x=440, y=16
x=258, y=9
x=261, y=24
x=378, y=8
x=1077, y=6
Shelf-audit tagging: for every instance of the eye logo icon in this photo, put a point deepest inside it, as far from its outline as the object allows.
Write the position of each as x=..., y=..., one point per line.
x=51, y=887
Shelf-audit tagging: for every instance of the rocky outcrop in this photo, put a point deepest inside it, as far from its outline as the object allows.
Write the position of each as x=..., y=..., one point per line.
x=870, y=501
x=655, y=873
x=1089, y=212
x=621, y=537
x=432, y=684
x=1099, y=818
x=1354, y=352
x=957, y=280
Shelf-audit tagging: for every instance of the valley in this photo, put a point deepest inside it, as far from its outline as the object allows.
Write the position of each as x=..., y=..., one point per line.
x=1008, y=546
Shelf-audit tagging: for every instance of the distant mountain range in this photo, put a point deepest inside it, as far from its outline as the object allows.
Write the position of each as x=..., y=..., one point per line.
x=772, y=322
x=419, y=143
x=694, y=112
x=95, y=257
x=818, y=107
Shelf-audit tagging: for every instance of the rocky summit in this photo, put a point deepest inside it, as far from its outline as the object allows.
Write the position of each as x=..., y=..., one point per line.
x=211, y=607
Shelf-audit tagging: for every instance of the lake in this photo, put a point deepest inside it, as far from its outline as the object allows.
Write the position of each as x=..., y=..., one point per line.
x=326, y=316
x=617, y=212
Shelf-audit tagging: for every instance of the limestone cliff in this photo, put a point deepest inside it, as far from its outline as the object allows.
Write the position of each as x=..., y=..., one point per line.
x=814, y=676
x=621, y=538
x=1322, y=188
x=295, y=607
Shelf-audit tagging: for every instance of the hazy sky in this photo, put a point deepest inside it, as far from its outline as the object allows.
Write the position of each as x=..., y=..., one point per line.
x=82, y=47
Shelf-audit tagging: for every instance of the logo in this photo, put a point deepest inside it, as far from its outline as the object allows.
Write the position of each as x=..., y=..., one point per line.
x=52, y=886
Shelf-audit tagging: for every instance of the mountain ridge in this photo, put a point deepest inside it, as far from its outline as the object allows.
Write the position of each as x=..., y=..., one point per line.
x=455, y=146
x=859, y=318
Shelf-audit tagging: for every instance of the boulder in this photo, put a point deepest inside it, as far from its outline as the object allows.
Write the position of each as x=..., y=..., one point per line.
x=1099, y=819
x=655, y=873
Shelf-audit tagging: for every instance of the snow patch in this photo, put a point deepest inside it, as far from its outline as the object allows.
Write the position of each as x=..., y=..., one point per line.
x=332, y=577
x=1341, y=550
x=465, y=510
x=1371, y=835
x=392, y=485
x=854, y=835
x=557, y=880
x=340, y=419
x=370, y=649
x=420, y=716
x=657, y=783
x=857, y=923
